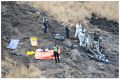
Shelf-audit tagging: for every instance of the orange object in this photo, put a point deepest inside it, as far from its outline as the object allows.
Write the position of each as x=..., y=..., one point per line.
x=45, y=55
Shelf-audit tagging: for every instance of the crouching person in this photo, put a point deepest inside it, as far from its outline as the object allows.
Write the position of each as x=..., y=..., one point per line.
x=97, y=41
x=56, y=54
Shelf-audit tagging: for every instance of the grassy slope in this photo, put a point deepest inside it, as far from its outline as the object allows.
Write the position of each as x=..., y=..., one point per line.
x=61, y=11
x=74, y=11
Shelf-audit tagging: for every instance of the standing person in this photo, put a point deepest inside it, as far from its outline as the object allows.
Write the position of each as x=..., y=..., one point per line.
x=45, y=23
x=80, y=32
x=78, y=29
x=86, y=39
x=83, y=33
x=67, y=31
x=56, y=54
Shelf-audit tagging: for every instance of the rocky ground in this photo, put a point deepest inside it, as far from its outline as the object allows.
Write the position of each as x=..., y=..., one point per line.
x=20, y=20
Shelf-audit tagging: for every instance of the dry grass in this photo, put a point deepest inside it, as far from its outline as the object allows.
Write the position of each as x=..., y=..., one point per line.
x=13, y=69
x=74, y=11
x=23, y=72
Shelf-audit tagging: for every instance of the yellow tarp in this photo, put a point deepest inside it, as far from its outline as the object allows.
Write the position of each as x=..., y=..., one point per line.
x=33, y=41
x=30, y=52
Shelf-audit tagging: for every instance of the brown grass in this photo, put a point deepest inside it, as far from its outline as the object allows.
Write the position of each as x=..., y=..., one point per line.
x=22, y=72
x=74, y=11
x=17, y=70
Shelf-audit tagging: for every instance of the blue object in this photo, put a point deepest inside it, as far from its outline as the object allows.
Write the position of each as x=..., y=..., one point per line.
x=58, y=37
x=13, y=44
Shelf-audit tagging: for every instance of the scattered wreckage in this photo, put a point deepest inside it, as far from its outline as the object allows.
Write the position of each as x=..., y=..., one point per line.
x=97, y=56
x=94, y=49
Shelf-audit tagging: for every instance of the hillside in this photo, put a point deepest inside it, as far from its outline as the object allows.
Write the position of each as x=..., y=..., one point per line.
x=18, y=19
x=73, y=10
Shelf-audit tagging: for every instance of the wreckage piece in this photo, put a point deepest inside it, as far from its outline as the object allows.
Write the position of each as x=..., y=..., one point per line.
x=13, y=43
x=58, y=37
x=74, y=46
x=45, y=55
x=98, y=56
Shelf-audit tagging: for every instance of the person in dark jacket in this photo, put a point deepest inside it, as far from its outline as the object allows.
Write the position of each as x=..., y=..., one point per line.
x=56, y=54
x=67, y=31
x=45, y=23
